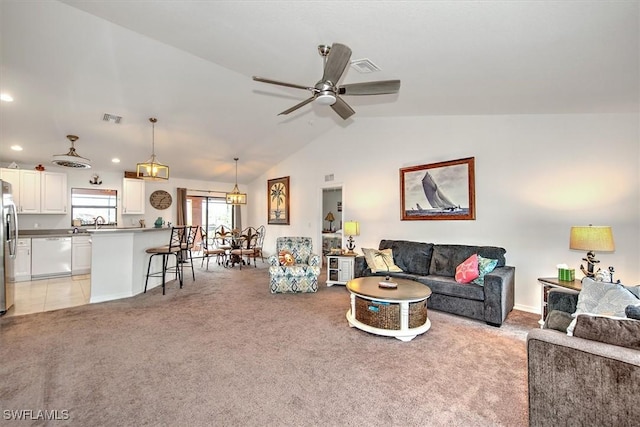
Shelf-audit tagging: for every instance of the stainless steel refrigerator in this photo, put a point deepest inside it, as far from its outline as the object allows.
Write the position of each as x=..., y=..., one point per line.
x=9, y=239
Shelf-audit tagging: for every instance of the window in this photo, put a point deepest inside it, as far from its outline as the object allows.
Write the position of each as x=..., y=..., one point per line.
x=88, y=203
x=209, y=212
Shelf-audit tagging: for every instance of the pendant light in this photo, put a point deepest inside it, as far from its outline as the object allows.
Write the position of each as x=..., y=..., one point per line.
x=71, y=159
x=236, y=197
x=153, y=170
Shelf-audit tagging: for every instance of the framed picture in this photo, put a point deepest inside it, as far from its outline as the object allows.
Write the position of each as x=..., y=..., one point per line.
x=438, y=191
x=339, y=206
x=278, y=201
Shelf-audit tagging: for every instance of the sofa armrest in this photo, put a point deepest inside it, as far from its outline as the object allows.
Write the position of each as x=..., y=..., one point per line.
x=499, y=288
x=360, y=267
x=574, y=381
x=562, y=299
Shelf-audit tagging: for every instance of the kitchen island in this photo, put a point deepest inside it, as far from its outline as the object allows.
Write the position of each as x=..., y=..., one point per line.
x=119, y=261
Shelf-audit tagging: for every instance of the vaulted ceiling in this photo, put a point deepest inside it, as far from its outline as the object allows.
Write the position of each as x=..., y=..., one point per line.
x=190, y=65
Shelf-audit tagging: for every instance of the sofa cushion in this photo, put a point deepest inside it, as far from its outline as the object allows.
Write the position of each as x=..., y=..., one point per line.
x=411, y=257
x=558, y=320
x=632, y=312
x=620, y=332
x=485, y=266
x=467, y=270
x=446, y=258
x=380, y=260
x=445, y=285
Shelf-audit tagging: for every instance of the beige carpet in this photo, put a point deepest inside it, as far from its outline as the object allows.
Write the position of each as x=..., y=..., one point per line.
x=224, y=351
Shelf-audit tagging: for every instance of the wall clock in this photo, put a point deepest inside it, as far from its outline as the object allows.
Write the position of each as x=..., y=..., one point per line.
x=160, y=199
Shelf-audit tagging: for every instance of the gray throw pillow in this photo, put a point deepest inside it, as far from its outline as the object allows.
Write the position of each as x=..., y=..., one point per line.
x=557, y=320
x=621, y=332
x=632, y=312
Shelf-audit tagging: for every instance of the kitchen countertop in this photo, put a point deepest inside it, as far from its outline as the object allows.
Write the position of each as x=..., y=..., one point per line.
x=64, y=232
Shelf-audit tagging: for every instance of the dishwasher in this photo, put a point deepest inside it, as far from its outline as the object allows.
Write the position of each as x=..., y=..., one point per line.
x=50, y=257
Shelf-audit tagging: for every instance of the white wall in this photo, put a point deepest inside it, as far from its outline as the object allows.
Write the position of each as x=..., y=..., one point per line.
x=536, y=176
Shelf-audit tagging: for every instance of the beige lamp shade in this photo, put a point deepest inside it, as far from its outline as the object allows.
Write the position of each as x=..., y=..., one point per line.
x=329, y=217
x=592, y=238
x=351, y=228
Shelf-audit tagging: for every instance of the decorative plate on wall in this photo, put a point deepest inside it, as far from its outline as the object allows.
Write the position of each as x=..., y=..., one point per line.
x=160, y=199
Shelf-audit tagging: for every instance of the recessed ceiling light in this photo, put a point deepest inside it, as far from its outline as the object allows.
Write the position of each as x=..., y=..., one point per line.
x=6, y=97
x=115, y=160
x=16, y=148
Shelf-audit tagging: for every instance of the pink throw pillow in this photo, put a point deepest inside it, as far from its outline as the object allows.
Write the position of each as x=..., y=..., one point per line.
x=468, y=270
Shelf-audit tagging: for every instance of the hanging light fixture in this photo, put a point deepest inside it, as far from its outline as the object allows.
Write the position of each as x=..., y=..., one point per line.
x=236, y=197
x=71, y=159
x=152, y=170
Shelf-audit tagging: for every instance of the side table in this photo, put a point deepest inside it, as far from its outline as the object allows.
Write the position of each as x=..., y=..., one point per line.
x=547, y=284
x=339, y=269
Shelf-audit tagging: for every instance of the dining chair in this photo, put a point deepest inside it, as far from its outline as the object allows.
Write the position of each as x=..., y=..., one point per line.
x=261, y=231
x=246, y=247
x=209, y=249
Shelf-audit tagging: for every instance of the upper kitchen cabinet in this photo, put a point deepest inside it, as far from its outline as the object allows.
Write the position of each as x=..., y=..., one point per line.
x=36, y=192
x=53, y=193
x=133, y=196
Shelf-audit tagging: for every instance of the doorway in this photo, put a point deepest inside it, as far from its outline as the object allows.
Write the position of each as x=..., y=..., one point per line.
x=332, y=209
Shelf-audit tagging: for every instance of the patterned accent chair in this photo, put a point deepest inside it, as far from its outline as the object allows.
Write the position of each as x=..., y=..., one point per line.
x=302, y=276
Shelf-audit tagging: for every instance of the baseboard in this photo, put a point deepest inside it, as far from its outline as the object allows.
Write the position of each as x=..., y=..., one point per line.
x=527, y=308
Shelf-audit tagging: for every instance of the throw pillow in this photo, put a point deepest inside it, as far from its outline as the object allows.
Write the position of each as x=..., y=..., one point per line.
x=602, y=298
x=620, y=332
x=467, y=270
x=632, y=312
x=380, y=260
x=485, y=266
x=558, y=320
x=285, y=258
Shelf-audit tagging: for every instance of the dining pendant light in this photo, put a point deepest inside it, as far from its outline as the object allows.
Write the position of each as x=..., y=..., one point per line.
x=235, y=197
x=71, y=159
x=152, y=169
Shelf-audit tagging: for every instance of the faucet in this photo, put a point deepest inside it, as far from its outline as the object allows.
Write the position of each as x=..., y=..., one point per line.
x=99, y=221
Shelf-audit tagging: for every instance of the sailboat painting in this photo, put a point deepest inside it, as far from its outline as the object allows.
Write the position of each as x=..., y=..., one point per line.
x=437, y=191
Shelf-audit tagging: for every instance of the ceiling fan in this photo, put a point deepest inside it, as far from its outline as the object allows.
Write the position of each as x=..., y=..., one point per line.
x=326, y=91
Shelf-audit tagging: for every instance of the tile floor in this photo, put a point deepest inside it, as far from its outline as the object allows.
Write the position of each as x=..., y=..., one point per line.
x=50, y=294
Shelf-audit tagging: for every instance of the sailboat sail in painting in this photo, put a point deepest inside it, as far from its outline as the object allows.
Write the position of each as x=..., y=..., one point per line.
x=439, y=191
x=435, y=196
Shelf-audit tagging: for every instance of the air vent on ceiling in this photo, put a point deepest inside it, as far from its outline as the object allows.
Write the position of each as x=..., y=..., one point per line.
x=364, y=66
x=112, y=118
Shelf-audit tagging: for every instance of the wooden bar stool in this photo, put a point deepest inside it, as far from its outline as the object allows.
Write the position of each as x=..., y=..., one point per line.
x=172, y=249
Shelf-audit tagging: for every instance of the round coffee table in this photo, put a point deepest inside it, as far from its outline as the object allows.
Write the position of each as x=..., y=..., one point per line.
x=398, y=312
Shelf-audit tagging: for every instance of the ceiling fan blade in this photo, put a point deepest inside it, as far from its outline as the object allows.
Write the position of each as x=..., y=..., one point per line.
x=337, y=61
x=275, y=82
x=370, y=88
x=342, y=108
x=295, y=107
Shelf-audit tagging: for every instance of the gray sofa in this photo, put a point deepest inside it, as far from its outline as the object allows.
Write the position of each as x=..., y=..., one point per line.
x=576, y=381
x=435, y=265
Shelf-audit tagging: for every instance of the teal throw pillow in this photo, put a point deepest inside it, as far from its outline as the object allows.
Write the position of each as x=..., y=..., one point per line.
x=485, y=266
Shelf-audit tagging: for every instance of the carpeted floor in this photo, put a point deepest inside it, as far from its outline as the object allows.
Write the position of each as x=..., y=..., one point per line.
x=224, y=351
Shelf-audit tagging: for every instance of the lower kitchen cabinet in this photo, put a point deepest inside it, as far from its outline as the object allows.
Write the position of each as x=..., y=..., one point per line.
x=81, y=255
x=22, y=264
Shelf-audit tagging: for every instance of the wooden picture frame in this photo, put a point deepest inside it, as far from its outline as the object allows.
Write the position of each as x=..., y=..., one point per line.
x=278, y=201
x=438, y=191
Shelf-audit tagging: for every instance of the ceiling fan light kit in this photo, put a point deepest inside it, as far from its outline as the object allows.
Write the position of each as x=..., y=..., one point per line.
x=326, y=91
x=71, y=159
x=152, y=169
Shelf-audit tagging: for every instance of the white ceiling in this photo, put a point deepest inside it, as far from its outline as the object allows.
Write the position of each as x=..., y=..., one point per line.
x=189, y=63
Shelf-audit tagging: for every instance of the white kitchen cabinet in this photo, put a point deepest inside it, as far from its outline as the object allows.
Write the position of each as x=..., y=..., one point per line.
x=133, y=196
x=80, y=255
x=36, y=192
x=53, y=193
x=22, y=264
x=339, y=269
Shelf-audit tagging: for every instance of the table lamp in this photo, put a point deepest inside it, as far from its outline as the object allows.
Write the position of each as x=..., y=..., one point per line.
x=591, y=238
x=330, y=218
x=351, y=228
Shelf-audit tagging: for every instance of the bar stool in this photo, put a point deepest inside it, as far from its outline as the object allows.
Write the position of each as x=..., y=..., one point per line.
x=188, y=241
x=172, y=249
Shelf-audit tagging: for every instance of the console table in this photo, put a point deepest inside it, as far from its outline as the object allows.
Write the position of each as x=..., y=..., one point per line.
x=547, y=284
